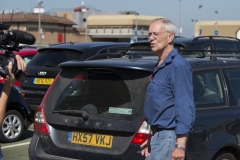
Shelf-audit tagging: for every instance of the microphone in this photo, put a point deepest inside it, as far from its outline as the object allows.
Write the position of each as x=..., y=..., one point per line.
x=22, y=37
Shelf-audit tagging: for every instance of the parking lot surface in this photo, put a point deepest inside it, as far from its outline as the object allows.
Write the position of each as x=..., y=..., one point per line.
x=18, y=150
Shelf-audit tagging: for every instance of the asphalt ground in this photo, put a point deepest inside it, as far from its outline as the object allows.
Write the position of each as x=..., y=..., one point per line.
x=18, y=150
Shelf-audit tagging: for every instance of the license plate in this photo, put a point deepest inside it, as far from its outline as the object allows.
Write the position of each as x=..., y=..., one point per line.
x=46, y=81
x=91, y=139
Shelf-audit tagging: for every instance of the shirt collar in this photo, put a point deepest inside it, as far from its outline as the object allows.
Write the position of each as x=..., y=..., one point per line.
x=171, y=55
x=169, y=58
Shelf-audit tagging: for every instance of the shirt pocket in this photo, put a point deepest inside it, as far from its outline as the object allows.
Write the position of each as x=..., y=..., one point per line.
x=159, y=87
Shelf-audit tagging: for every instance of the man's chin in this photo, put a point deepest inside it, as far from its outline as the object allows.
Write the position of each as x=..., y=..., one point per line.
x=153, y=49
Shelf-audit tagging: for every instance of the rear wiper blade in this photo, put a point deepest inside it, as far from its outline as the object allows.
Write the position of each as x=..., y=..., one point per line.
x=83, y=114
x=51, y=65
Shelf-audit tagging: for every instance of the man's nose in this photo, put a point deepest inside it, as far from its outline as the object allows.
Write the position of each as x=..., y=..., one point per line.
x=150, y=37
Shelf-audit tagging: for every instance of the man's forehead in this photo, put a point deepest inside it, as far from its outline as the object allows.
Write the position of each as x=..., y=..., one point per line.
x=156, y=26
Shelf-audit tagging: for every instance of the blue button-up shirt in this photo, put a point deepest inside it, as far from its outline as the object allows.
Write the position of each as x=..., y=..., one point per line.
x=169, y=102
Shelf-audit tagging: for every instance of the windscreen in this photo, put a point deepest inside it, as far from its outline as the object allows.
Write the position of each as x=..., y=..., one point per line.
x=113, y=94
x=54, y=57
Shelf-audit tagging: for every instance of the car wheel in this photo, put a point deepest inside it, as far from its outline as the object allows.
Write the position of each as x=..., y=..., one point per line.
x=12, y=127
x=224, y=155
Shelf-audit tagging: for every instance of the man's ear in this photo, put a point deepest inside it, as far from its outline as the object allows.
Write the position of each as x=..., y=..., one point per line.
x=170, y=38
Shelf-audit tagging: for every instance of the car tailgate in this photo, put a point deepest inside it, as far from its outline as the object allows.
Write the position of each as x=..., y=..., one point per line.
x=95, y=110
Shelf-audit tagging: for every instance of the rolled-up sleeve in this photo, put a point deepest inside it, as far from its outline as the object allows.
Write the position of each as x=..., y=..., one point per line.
x=184, y=100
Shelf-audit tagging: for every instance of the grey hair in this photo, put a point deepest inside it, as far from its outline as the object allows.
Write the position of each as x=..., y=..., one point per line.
x=170, y=27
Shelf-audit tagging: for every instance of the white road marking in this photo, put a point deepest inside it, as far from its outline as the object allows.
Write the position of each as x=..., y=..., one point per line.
x=15, y=145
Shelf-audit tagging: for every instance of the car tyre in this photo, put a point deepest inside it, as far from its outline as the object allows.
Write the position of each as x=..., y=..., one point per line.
x=224, y=155
x=12, y=127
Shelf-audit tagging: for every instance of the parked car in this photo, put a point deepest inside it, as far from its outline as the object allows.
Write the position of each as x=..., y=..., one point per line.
x=94, y=110
x=218, y=43
x=17, y=118
x=43, y=68
x=27, y=54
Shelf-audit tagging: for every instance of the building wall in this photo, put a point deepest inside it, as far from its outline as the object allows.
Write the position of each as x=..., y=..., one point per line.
x=118, y=27
x=51, y=32
x=81, y=18
x=225, y=28
x=112, y=27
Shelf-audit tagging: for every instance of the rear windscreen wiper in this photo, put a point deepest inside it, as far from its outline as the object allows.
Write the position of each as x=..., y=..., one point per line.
x=83, y=114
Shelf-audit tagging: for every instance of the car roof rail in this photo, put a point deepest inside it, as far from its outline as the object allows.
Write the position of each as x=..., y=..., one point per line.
x=213, y=57
x=215, y=37
x=213, y=54
x=124, y=53
x=140, y=53
x=146, y=38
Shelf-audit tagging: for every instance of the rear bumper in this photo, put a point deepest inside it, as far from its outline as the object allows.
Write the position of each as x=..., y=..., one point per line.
x=36, y=152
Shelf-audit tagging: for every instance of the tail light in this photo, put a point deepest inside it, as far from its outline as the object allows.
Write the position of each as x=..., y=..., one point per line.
x=40, y=124
x=17, y=83
x=144, y=133
x=2, y=79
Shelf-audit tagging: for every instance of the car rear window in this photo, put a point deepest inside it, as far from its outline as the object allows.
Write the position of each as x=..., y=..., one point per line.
x=111, y=94
x=54, y=57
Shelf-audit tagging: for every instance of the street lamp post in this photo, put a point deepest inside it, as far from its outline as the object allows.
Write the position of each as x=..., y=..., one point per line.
x=199, y=27
x=179, y=18
x=194, y=26
x=136, y=28
x=216, y=20
x=39, y=21
x=86, y=28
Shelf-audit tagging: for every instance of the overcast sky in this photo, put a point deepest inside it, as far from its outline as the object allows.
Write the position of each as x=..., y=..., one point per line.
x=189, y=9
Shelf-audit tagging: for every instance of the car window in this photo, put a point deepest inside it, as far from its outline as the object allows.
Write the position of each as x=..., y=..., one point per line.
x=112, y=50
x=178, y=46
x=54, y=57
x=117, y=94
x=226, y=47
x=143, y=46
x=208, y=89
x=27, y=58
x=207, y=47
x=233, y=77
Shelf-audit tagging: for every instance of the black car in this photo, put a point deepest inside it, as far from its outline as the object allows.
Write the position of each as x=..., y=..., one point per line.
x=17, y=117
x=94, y=110
x=217, y=43
x=43, y=68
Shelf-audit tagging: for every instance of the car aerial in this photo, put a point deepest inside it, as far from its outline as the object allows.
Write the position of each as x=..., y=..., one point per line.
x=218, y=43
x=43, y=68
x=94, y=110
x=17, y=118
x=27, y=54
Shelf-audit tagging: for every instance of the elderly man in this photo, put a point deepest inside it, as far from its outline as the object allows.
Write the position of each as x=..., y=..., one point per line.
x=169, y=106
